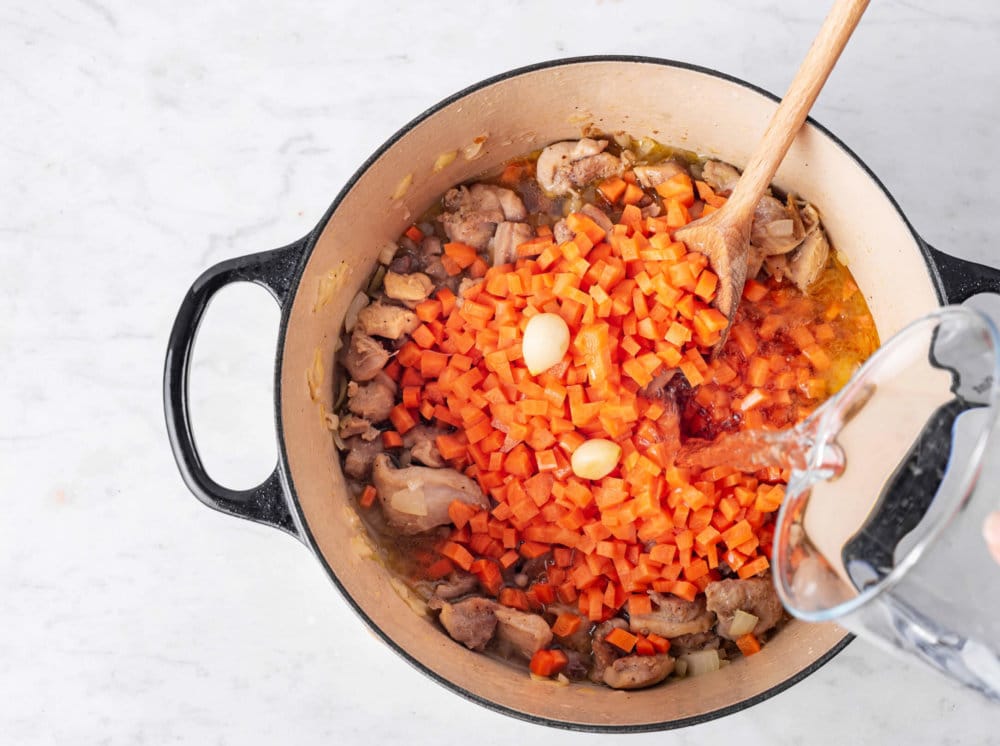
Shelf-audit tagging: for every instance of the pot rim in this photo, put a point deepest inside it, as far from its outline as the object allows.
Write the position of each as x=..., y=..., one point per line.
x=305, y=534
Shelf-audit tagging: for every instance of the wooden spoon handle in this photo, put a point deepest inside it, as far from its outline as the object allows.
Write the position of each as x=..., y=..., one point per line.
x=794, y=107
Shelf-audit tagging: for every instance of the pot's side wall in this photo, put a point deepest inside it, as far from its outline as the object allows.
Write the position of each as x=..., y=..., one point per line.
x=677, y=106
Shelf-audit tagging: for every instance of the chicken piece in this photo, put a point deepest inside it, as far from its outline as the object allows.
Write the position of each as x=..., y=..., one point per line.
x=580, y=639
x=563, y=165
x=431, y=246
x=373, y=400
x=600, y=166
x=638, y=671
x=410, y=289
x=577, y=665
x=561, y=231
x=653, y=209
x=720, y=176
x=774, y=229
x=693, y=642
x=384, y=320
x=360, y=456
x=673, y=617
x=471, y=622
x=459, y=583
x=352, y=425
x=434, y=268
x=364, y=357
x=653, y=176
x=598, y=215
x=809, y=259
x=755, y=596
x=525, y=633
x=416, y=499
x=420, y=441
x=507, y=238
x=604, y=652
x=472, y=213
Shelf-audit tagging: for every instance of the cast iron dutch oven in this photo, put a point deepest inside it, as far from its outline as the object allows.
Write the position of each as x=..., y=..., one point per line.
x=489, y=123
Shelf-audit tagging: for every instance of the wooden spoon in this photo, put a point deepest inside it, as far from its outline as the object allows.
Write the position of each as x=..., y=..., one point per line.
x=724, y=236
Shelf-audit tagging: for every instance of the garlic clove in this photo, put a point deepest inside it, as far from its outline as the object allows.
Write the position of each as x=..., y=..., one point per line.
x=546, y=339
x=595, y=458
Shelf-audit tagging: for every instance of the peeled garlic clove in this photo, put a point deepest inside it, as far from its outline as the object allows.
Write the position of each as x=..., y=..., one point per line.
x=595, y=458
x=546, y=339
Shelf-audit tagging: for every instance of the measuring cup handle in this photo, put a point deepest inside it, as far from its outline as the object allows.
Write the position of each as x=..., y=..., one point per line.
x=959, y=279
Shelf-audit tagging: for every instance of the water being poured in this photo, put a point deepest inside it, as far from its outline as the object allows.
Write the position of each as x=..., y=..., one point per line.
x=879, y=514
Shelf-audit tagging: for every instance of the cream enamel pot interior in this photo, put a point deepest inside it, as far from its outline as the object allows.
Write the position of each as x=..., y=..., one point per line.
x=512, y=114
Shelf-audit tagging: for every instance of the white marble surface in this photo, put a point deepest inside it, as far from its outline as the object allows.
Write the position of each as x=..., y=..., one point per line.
x=141, y=142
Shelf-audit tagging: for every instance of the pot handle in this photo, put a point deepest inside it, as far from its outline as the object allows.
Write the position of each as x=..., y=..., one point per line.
x=274, y=271
x=961, y=279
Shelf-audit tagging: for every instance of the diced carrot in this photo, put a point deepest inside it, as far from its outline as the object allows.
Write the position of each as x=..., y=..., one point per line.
x=367, y=498
x=566, y=624
x=548, y=662
x=428, y=310
x=515, y=598
x=621, y=639
x=440, y=568
x=639, y=603
x=401, y=419
x=754, y=291
x=391, y=439
x=451, y=447
x=462, y=254
x=612, y=188
x=748, y=644
x=457, y=554
x=678, y=187
x=753, y=567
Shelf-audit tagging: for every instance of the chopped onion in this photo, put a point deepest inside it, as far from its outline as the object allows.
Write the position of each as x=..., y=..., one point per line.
x=743, y=623
x=387, y=252
x=701, y=661
x=645, y=147
x=680, y=668
x=351, y=317
x=411, y=502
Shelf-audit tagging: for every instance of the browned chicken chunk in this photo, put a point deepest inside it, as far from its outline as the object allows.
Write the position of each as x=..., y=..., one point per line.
x=638, y=671
x=471, y=622
x=525, y=633
x=416, y=499
x=673, y=616
x=374, y=400
x=506, y=240
x=365, y=357
x=384, y=320
x=755, y=596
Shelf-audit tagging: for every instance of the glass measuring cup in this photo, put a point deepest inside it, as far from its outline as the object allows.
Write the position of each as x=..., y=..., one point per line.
x=880, y=529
